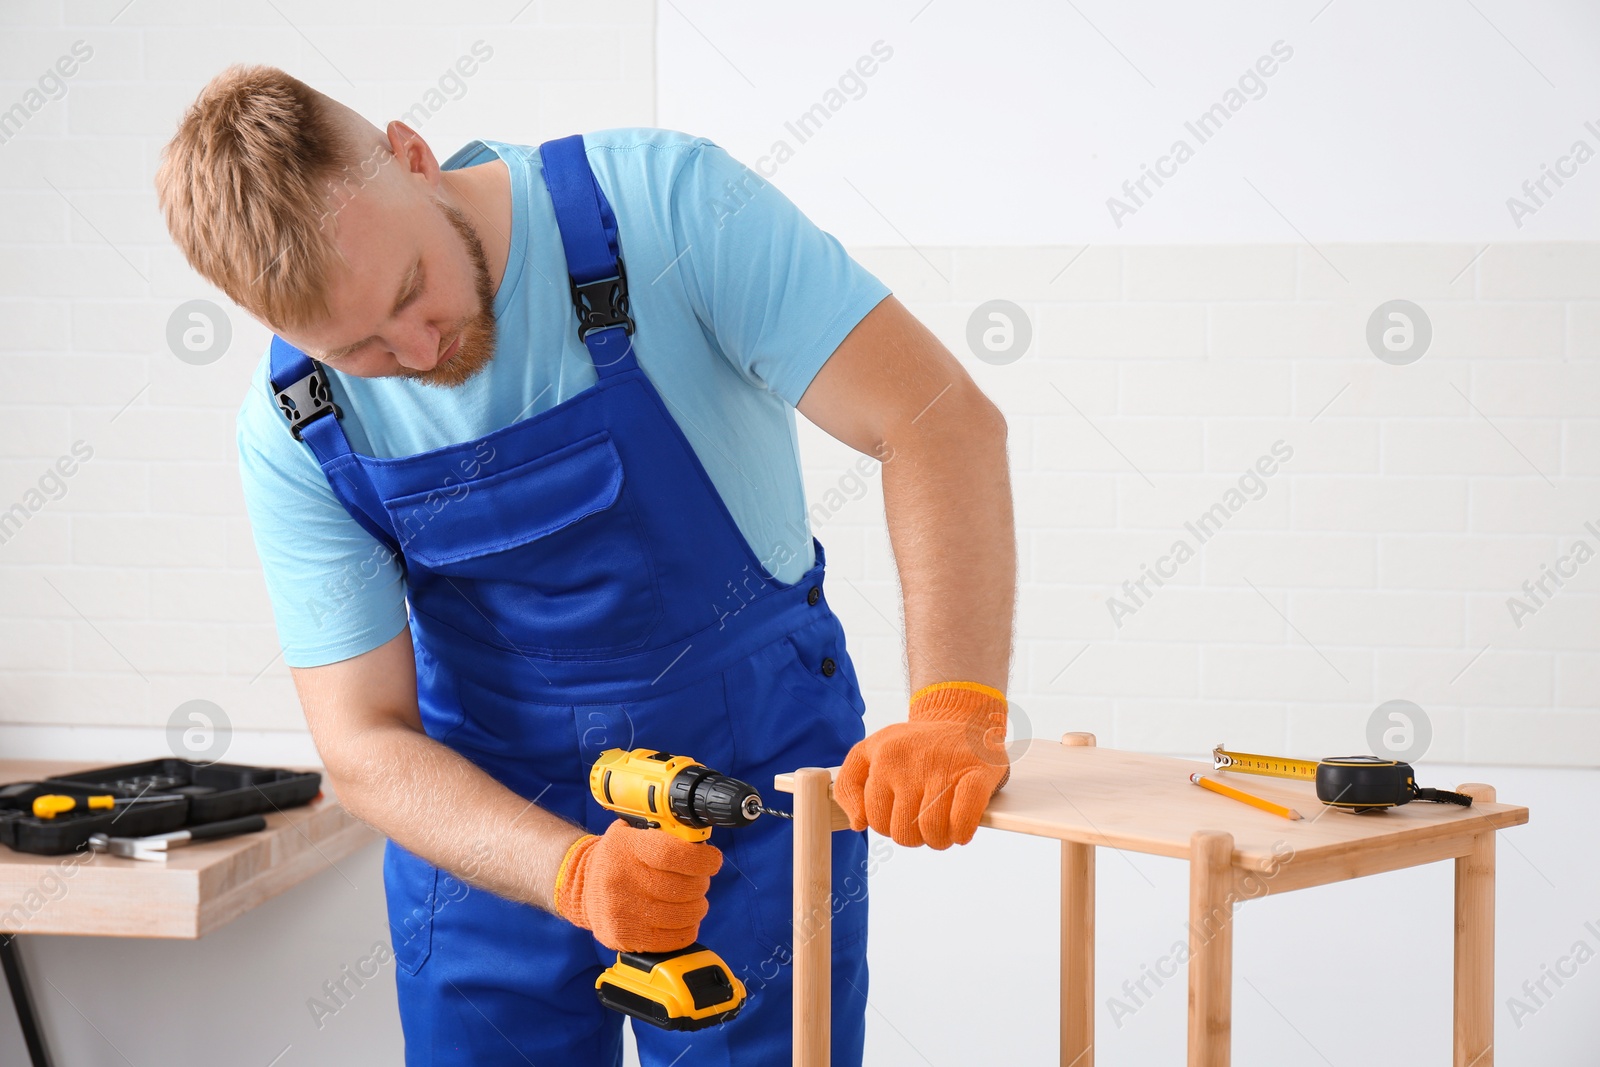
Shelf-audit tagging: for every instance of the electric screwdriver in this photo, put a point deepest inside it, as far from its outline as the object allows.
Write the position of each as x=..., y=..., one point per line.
x=690, y=988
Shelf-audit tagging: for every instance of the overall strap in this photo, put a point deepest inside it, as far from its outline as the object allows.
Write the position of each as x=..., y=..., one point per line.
x=300, y=387
x=595, y=271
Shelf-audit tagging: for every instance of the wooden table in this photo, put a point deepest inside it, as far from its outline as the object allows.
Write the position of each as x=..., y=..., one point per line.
x=1087, y=796
x=202, y=887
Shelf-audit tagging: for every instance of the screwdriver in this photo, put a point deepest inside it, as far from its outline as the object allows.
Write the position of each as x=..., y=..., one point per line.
x=49, y=805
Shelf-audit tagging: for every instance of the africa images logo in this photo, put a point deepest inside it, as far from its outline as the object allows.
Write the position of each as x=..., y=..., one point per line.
x=1251, y=85
x=1251, y=486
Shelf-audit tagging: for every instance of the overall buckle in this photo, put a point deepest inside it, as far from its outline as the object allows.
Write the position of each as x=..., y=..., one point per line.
x=602, y=304
x=307, y=400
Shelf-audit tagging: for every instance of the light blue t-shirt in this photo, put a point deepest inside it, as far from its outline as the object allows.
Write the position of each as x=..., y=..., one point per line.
x=738, y=298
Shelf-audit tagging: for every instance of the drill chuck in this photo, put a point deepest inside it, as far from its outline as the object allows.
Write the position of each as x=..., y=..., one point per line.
x=701, y=797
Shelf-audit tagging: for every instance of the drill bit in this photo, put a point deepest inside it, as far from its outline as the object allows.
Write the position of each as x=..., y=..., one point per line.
x=775, y=811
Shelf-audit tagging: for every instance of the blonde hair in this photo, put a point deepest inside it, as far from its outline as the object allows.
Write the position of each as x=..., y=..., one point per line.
x=244, y=185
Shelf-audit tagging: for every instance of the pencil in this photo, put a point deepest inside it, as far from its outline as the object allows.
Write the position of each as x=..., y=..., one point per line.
x=1239, y=794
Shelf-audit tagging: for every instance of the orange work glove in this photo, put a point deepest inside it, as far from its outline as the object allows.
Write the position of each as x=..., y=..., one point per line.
x=927, y=780
x=637, y=890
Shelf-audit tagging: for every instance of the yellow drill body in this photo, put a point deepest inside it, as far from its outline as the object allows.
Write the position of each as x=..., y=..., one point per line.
x=635, y=785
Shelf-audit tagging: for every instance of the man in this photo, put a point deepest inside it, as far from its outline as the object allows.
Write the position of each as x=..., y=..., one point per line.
x=509, y=521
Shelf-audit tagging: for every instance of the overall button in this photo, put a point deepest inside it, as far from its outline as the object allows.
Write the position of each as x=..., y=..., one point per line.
x=813, y=596
x=829, y=667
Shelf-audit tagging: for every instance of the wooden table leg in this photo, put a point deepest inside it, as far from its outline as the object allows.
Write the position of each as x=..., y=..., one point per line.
x=1210, y=949
x=813, y=916
x=1077, y=944
x=1474, y=984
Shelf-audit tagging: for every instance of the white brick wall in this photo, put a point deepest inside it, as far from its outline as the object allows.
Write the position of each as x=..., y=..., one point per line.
x=1390, y=540
x=1419, y=498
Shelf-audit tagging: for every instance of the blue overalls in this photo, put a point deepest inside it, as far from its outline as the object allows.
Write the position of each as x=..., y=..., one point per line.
x=569, y=581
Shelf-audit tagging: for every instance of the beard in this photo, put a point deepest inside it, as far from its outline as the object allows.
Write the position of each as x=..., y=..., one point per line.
x=478, y=333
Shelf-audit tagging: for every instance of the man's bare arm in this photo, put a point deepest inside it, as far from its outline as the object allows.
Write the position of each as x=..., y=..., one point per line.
x=893, y=390
x=388, y=773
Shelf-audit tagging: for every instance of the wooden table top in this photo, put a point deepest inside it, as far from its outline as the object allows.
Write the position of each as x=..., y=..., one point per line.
x=1145, y=803
x=202, y=887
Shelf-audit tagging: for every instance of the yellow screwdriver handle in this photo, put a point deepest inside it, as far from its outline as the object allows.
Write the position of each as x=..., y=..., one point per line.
x=50, y=805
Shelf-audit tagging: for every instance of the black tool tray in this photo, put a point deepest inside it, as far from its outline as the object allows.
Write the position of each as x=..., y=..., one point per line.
x=216, y=791
x=69, y=831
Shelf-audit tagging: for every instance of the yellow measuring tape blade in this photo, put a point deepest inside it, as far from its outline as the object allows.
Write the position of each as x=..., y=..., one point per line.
x=1273, y=766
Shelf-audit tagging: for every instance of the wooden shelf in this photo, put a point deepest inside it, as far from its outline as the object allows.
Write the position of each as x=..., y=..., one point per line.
x=1143, y=803
x=1087, y=797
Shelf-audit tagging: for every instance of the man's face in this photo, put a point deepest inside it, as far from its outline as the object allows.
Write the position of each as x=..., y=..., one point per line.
x=417, y=300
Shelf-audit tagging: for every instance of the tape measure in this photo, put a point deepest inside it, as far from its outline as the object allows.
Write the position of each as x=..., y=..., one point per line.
x=1359, y=784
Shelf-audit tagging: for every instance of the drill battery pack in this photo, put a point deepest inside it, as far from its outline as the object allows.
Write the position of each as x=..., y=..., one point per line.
x=687, y=989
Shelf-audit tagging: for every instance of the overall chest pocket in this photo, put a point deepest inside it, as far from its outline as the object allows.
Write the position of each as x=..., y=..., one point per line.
x=548, y=556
